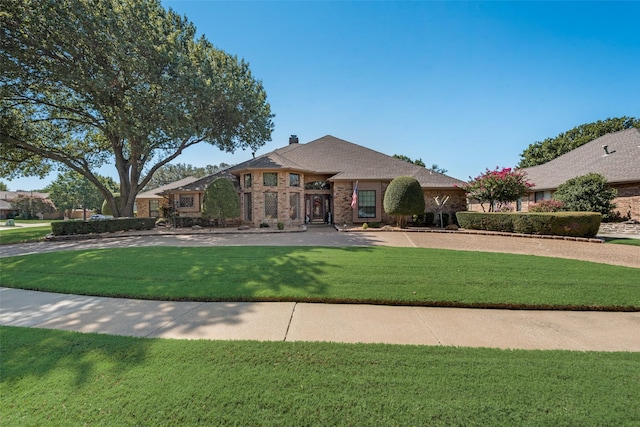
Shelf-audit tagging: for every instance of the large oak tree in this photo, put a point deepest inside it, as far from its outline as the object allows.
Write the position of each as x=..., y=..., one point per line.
x=87, y=83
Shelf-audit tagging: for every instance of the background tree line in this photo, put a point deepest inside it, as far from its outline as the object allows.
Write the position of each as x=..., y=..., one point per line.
x=543, y=151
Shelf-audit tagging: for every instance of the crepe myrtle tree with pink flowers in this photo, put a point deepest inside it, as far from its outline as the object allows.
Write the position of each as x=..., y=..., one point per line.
x=497, y=187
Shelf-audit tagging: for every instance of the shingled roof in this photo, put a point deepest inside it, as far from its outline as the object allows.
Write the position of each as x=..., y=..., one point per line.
x=202, y=183
x=618, y=163
x=345, y=161
x=156, y=192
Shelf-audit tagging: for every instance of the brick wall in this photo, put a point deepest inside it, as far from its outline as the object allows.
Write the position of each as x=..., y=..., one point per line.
x=142, y=208
x=343, y=191
x=283, y=190
x=628, y=200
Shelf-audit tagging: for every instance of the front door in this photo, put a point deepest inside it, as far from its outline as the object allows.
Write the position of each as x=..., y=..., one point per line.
x=318, y=207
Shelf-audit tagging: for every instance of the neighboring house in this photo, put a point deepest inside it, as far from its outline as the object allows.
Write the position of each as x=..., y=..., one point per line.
x=616, y=156
x=6, y=208
x=151, y=203
x=314, y=182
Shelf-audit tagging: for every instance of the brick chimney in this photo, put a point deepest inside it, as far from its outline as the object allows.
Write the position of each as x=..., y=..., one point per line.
x=293, y=139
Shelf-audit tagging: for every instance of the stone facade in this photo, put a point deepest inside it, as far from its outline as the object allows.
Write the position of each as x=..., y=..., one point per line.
x=621, y=228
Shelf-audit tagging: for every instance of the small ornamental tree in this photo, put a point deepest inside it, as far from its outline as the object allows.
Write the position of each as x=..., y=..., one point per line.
x=221, y=201
x=404, y=197
x=587, y=193
x=498, y=187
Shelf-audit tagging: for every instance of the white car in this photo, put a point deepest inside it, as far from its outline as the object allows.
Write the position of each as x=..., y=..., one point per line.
x=98, y=216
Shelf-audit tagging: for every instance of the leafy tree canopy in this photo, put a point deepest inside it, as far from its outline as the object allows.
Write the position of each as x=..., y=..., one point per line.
x=544, y=151
x=434, y=167
x=587, y=193
x=86, y=83
x=418, y=162
x=221, y=201
x=174, y=172
x=3, y=186
x=72, y=190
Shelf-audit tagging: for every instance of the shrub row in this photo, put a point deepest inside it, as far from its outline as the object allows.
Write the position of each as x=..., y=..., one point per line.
x=424, y=220
x=187, y=221
x=574, y=224
x=102, y=226
x=428, y=219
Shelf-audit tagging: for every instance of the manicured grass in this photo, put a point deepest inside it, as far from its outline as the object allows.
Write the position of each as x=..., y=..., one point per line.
x=67, y=378
x=9, y=235
x=633, y=242
x=36, y=221
x=414, y=276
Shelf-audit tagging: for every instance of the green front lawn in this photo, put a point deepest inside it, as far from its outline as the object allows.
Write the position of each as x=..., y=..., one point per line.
x=386, y=275
x=9, y=235
x=632, y=242
x=67, y=378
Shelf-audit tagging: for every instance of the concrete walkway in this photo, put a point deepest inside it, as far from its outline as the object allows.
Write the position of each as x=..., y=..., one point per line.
x=508, y=329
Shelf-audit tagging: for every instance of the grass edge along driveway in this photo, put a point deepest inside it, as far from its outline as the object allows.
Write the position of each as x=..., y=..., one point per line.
x=380, y=275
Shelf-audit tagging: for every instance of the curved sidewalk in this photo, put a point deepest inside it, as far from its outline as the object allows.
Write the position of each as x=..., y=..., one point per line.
x=288, y=321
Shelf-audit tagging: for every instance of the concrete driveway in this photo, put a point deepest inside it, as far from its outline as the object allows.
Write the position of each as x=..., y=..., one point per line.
x=624, y=255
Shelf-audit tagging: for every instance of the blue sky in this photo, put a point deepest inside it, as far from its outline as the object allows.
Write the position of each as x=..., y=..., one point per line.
x=465, y=85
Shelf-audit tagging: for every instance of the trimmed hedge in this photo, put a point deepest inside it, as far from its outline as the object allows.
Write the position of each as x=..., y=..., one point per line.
x=424, y=220
x=190, y=221
x=574, y=224
x=102, y=226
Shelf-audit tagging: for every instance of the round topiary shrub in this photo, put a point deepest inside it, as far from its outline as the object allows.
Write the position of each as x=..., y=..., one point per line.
x=404, y=197
x=106, y=206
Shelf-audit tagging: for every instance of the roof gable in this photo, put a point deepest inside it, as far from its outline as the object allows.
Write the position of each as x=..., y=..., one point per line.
x=620, y=162
x=344, y=161
x=155, y=193
x=202, y=183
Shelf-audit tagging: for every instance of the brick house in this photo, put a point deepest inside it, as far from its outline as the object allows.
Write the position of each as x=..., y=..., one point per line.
x=151, y=203
x=7, y=210
x=616, y=156
x=314, y=182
